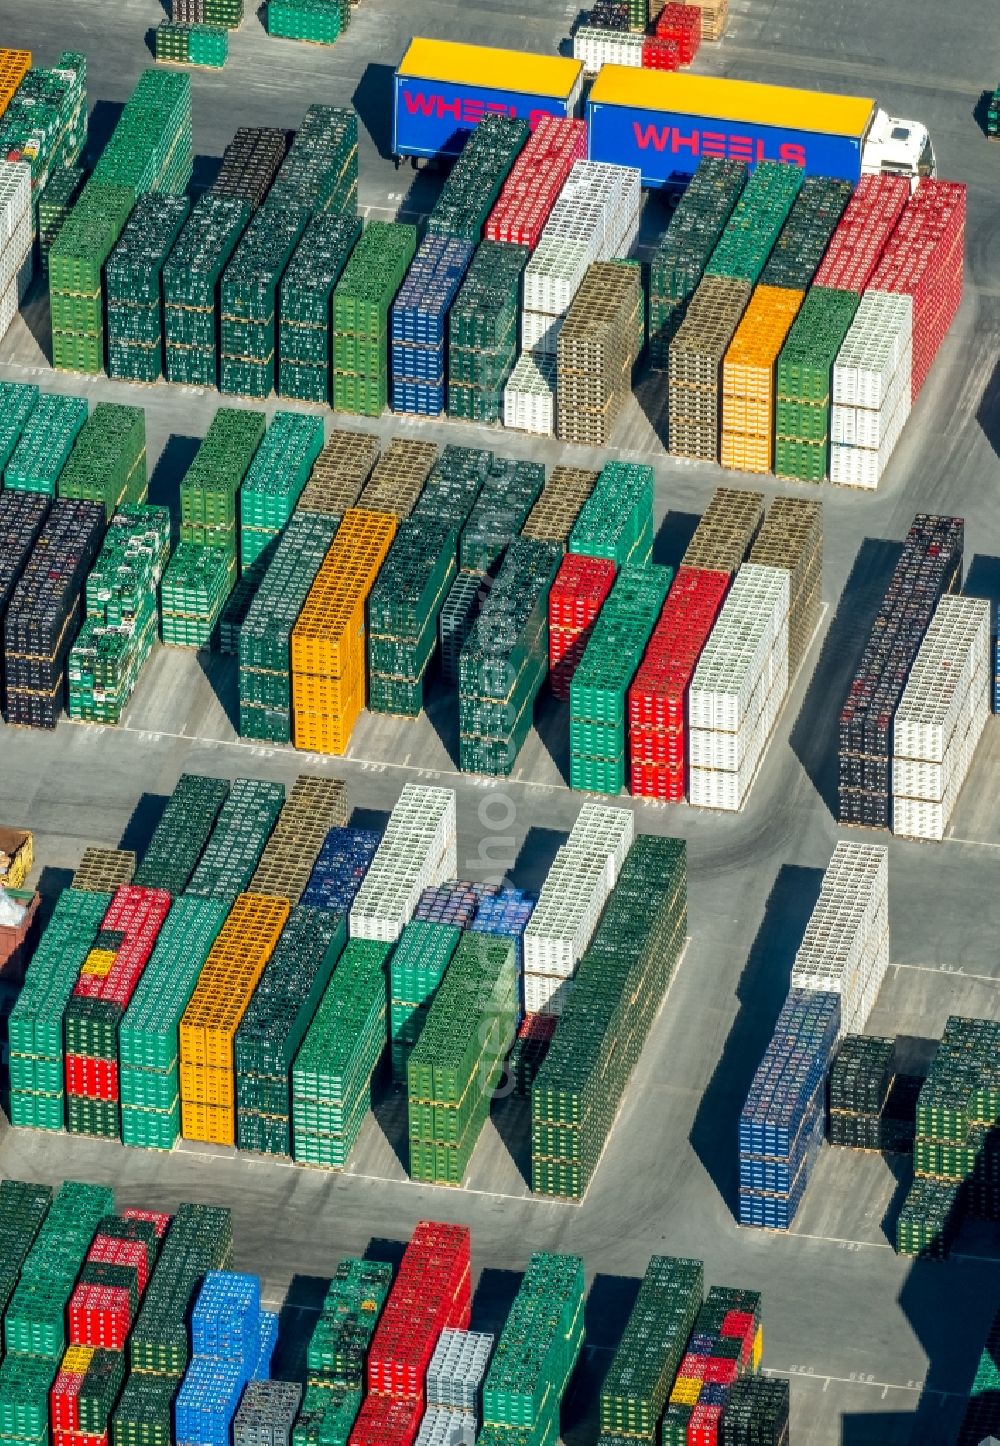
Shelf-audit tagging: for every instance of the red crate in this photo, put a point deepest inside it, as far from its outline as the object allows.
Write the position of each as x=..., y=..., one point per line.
x=385, y=1421
x=432, y=1291
x=100, y=1316
x=662, y=781
x=658, y=54
x=862, y=233
x=94, y=1079
x=157, y=1218
x=534, y=183
x=537, y=1026
x=681, y=23
x=79, y=1438
x=64, y=1401
x=704, y=1426
x=721, y=1371
x=575, y=600
x=113, y=1251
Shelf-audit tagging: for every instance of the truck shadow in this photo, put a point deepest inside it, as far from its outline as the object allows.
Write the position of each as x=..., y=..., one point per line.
x=981, y=109
x=372, y=99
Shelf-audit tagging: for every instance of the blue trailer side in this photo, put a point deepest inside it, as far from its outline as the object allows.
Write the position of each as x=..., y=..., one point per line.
x=432, y=118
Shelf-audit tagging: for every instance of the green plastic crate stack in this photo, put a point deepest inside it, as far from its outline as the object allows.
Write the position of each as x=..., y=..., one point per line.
x=23, y=1208
x=320, y=21
x=275, y=479
x=193, y=593
x=200, y=1239
x=682, y=254
x=151, y=147
x=616, y=521
x=144, y=1413
x=504, y=660
x=804, y=383
x=417, y=967
x=483, y=332
x=54, y=205
x=458, y=1059
x=806, y=234
x=122, y=614
x=331, y=1075
x=327, y=1417
x=133, y=298
x=148, y=1050
x=755, y=224
x=242, y=829
x=598, y=692
x=24, y=1393
x=265, y=635
x=275, y=1023
x=248, y=298
x=35, y=1025
x=182, y=833
x=45, y=122
x=228, y=13
x=507, y=496
x=304, y=311
x=75, y=260
x=402, y=613
x=476, y=178
x=643, y=1368
x=234, y=614
x=993, y=116
x=209, y=488
x=46, y=441
x=172, y=42
x=618, y=989
x=320, y=172
x=191, y=277
x=17, y=402
x=361, y=302
x=208, y=45
x=534, y=1358
x=338, y=1347
x=108, y=460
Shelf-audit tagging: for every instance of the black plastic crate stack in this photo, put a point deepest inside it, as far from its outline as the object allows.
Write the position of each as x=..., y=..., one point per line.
x=756, y=1413
x=44, y=612
x=250, y=163
x=806, y=234
x=609, y=15
x=930, y=565
x=267, y=1413
x=860, y=1081
x=22, y=516
x=320, y=171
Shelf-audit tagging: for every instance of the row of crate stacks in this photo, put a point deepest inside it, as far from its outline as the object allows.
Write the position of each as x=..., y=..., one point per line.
x=167, y=1343
x=196, y=32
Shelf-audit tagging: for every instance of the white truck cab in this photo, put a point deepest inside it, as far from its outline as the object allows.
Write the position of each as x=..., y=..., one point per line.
x=895, y=147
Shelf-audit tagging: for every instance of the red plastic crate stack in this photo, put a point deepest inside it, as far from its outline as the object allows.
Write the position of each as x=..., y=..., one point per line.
x=925, y=259
x=660, y=54
x=537, y=177
x=94, y=1079
x=657, y=699
x=575, y=600
x=862, y=233
x=159, y=1221
x=101, y=1314
x=138, y=913
x=680, y=23
x=387, y=1421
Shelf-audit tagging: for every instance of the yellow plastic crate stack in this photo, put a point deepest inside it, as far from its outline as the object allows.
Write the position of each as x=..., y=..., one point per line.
x=328, y=641
x=748, y=379
x=209, y=1023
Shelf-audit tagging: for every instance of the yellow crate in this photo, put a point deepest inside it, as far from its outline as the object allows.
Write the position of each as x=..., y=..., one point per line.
x=686, y=1391
x=208, y=1123
x=205, y=1085
x=753, y=415
x=332, y=616
x=313, y=694
x=758, y=1347
x=19, y=846
x=99, y=963
x=77, y=1359
x=745, y=454
x=14, y=66
x=326, y=732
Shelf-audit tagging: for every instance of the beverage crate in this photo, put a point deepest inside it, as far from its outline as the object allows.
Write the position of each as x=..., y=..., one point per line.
x=54, y=205
x=209, y=487
x=46, y=439
x=748, y=369
x=250, y=163
x=529, y=396
x=417, y=849
x=341, y=470
x=537, y=1349
x=418, y=320
x=643, y=1368
x=248, y=295
x=361, y=302
x=616, y=521
x=804, y=238
x=398, y=478
x=403, y=611
x=241, y=831
x=474, y=182
x=182, y=832
x=857, y=244
x=340, y=868
x=792, y=538
x=482, y=331
x=200, y=1239
x=694, y=363
x=804, y=383
x=132, y=287
x=319, y=21
x=108, y=460
x=191, y=276
x=275, y=479
x=597, y=348
x=196, y=584
x=509, y=491
x=455, y=620
x=431, y=1293
x=314, y=806
x=327, y=1417
x=535, y=180
x=45, y=125
x=337, y=1349
x=23, y=1208
x=75, y=260
x=150, y=148
x=304, y=323
x=756, y=221
x=320, y=172
x=559, y=504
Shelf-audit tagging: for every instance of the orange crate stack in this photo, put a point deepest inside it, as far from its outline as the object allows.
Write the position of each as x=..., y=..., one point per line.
x=328, y=641
x=14, y=66
x=748, y=379
x=209, y=1023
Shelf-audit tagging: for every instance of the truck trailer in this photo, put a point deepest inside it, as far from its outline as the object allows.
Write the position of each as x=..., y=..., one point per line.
x=442, y=89
x=663, y=122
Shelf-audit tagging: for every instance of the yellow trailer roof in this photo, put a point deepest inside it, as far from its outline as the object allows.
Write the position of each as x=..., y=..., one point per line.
x=447, y=60
x=732, y=100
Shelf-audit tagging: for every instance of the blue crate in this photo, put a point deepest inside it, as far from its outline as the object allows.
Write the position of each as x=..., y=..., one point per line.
x=713, y=1393
x=453, y=902
x=418, y=363
x=225, y=1323
x=337, y=874
x=420, y=311
x=795, y=1065
x=267, y=1340
x=778, y=1175
x=207, y=1401
x=417, y=398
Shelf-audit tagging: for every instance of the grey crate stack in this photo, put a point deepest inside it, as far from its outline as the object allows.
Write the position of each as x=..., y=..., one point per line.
x=598, y=345
x=267, y=1413
x=456, y=1373
x=445, y=1428
x=694, y=366
x=792, y=538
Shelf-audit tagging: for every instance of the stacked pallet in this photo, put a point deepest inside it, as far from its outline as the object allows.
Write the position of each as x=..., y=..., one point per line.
x=320, y=172
x=101, y=1311
x=534, y=1036
x=738, y=687
x=458, y=613
x=505, y=912
x=274, y=482
x=726, y=1346
x=191, y=276
x=132, y=287
x=560, y=503
x=75, y=260
x=103, y=870
x=229, y=1334
x=16, y=237
x=845, y=948
x=340, y=472
x=314, y=806
x=248, y=300
x=529, y=397
x=861, y=1079
x=616, y=520
x=54, y=206
x=747, y=443
x=596, y=48
x=108, y=460
x=680, y=26
x=320, y=22
x=941, y=715
x=398, y=478
x=361, y=302
x=417, y=849
x=203, y=45
x=694, y=366
x=597, y=347
x=714, y=14
x=46, y=440
x=250, y=163
x=761, y=211
x=535, y=180
x=474, y=182
x=643, y=1368
x=339, y=871
x=803, y=240
x=804, y=383
x=267, y=1413
x=872, y=388
x=862, y=233
x=419, y=322
x=45, y=122
x=403, y=612
x=482, y=332
x=17, y=402
x=304, y=310
x=509, y=491
x=578, y=593
x=237, y=841
x=418, y=964
x=336, y=1356
x=792, y=539
x=454, y=1383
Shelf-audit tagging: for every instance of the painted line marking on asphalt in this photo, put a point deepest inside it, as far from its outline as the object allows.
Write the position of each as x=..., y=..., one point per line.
x=955, y=971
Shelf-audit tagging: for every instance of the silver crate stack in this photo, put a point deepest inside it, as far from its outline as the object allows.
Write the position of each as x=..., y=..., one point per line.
x=418, y=848
x=845, y=948
x=16, y=239
x=940, y=717
x=267, y=1413
x=529, y=398
x=597, y=47
x=439, y=1427
x=456, y=1373
x=871, y=389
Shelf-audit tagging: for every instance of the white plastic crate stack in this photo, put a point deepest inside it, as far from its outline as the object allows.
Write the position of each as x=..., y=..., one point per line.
x=871, y=389
x=583, y=873
x=454, y=1383
x=940, y=717
x=845, y=948
x=15, y=239
x=529, y=398
x=738, y=688
x=418, y=848
x=445, y=1428
x=607, y=47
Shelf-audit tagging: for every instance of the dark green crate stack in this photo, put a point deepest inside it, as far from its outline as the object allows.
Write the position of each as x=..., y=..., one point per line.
x=458, y=1058
x=535, y=1355
x=44, y=124
x=148, y=1049
x=275, y=1023
x=500, y=511
x=23, y=1208
x=458, y=613
x=200, y=1239
x=203, y=569
x=504, y=660
x=993, y=116
x=682, y=253
x=241, y=831
x=275, y=479
x=182, y=833
x=180, y=44
x=35, y=1024
x=403, y=609
x=476, y=178
x=804, y=383
x=337, y=1352
x=133, y=298
x=331, y=1076
x=483, y=332
x=760, y=212
x=265, y=634
x=806, y=234
x=860, y=1081
x=227, y=13
x=46, y=440
x=75, y=260
x=320, y=21
x=54, y=206
x=122, y=614
x=616, y=521
x=17, y=402
x=598, y=692
x=956, y=1151
x=361, y=302
x=304, y=310
x=320, y=172
x=619, y=987
x=191, y=277
x=108, y=460
x=248, y=300
x=642, y=1370
x=417, y=967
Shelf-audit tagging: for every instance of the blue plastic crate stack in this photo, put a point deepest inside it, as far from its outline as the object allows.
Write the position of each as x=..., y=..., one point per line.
x=338, y=872
x=506, y=914
x=232, y=1342
x=783, y=1120
x=420, y=324
x=453, y=902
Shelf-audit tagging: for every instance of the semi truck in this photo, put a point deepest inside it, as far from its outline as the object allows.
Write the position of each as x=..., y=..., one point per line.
x=442, y=89
x=663, y=122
